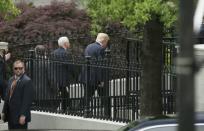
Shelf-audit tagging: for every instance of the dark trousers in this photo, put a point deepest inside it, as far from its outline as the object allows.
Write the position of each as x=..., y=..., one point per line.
x=103, y=93
x=2, y=89
x=89, y=92
x=17, y=126
x=64, y=96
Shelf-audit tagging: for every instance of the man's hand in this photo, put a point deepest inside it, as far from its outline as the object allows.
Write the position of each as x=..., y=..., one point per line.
x=7, y=56
x=22, y=120
x=101, y=84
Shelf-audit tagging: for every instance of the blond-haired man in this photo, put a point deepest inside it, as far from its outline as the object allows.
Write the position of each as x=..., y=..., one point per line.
x=96, y=51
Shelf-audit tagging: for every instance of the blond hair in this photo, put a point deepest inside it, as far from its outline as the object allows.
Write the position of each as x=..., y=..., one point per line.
x=102, y=37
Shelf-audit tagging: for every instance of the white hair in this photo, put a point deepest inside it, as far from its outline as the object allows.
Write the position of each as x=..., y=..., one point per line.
x=62, y=40
x=101, y=37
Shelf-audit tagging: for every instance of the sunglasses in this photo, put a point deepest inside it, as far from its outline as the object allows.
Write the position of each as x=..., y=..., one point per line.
x=18, y=68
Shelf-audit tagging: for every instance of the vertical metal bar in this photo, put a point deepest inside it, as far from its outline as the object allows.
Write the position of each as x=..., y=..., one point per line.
x=186, y=66
x=127, y=72
x=87, y=99
x=32, y=54
x=163, y=76
x=138, y=76
x=114, y=103
x=30, y=66
x=107, y=108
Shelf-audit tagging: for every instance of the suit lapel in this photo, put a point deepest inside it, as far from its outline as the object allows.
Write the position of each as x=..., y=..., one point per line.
x=17, y=85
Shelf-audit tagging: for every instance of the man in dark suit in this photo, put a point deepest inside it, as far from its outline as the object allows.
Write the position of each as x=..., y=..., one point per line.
x=4, y=56
x=96, y=51
x=2, y=71
x=61, y=70
x=18, y=100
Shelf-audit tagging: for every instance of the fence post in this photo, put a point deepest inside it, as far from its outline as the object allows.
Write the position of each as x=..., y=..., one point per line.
x=186, y=67
x=107, y=105
x=127, y=84
x=29, y=69
x=30, y=61
x=87, y=85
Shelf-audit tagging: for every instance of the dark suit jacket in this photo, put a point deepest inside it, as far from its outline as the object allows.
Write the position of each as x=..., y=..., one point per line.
x=97, y=53
x=61, y=69
x=21, y=100
x=2, y=84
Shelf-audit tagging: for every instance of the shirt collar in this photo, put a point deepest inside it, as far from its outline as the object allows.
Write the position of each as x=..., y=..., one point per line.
x=17, y=77
x=99, y=43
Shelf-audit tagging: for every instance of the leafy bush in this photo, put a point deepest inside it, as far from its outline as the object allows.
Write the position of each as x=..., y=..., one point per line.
x=7, y=10
x=44, y=24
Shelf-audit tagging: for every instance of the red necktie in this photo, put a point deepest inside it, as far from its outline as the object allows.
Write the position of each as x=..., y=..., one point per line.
x=13, y=86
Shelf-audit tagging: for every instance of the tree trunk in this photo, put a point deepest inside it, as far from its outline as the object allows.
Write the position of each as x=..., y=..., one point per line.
x=151, y=98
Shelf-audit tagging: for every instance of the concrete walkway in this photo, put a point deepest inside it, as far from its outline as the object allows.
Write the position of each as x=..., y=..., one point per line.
x=3, y=126
x=45, y=120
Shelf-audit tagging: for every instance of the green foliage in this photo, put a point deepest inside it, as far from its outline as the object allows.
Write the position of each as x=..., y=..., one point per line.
x=44, y=25
x=8, y=9
x=131, y=13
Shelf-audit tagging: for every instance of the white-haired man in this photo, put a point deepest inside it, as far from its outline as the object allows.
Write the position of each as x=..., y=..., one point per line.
x=63, y=42
x=61, y=72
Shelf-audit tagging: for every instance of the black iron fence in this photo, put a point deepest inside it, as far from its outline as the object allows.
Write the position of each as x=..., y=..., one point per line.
x=106, y=88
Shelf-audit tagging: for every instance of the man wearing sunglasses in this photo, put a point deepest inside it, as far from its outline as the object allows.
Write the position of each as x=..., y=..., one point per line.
x=19, y=96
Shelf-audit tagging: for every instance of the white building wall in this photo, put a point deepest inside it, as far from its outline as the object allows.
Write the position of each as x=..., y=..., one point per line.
x=39, y=2
x=199, y=79
x=43, y=120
